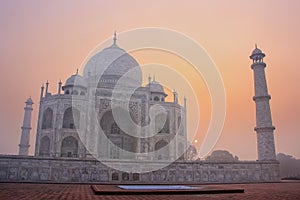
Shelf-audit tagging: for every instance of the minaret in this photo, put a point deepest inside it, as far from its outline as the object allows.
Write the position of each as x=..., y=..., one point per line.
x=185, y=126
x=59, y=87
x=264, y=127
x=47, y=85
x=42, y=92
x=175, y=96
x=115, y=39
x=25, y=135
x=149, y=80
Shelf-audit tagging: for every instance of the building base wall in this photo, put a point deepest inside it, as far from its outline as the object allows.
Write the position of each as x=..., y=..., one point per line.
x=39, y=169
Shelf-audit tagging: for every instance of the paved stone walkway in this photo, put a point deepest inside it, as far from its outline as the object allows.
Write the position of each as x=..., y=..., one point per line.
x=258, y=191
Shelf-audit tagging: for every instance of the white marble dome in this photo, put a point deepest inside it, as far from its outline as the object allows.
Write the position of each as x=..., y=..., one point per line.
x=156, y=87
x=112, y=61
x=76, y=80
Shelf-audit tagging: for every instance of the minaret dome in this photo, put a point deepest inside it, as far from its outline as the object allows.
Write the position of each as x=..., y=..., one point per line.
x=257, y=55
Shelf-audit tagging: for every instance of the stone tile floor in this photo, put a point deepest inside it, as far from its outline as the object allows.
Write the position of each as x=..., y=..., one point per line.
x=256, y=191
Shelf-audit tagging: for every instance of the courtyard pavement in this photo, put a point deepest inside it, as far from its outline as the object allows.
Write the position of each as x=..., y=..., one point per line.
x=256, y=191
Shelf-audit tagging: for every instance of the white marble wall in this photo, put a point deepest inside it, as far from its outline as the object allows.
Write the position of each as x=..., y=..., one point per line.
x=29, y=169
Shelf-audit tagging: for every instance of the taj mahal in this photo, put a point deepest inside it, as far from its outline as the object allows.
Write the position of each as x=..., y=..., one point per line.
x=103, y=125
x=64, y=115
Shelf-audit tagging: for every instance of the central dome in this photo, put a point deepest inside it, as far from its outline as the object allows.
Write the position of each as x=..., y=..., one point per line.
x=111, y=61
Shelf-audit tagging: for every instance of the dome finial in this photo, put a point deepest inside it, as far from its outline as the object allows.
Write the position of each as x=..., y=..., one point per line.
x=77, y=71
x=115, y=38
x=255, y=45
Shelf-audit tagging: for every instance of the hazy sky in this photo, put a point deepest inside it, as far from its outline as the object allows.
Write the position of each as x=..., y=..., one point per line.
x=48, y=40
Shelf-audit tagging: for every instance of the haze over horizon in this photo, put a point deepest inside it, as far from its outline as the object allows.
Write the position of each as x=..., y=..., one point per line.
x=49, y=40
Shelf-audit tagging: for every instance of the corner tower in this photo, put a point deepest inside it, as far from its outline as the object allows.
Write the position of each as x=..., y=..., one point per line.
x=264, y=127
x=24, y=142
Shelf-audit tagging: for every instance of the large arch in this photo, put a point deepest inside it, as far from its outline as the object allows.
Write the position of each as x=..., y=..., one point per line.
x=162, y=150
x=47, y=118
x=44, y=149
x=71, y=118
x=118, y=137
x=69, y=147
x=158, y=126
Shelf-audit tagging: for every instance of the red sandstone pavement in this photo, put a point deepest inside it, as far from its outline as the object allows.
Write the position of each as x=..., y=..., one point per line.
x=257, y=191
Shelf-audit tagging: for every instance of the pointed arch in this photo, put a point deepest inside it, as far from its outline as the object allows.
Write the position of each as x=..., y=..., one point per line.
x=115, y=176
x=71, y=118
x=116, y=135
x=47, y=118
x=159, y=127
x=69, y=147
x=44, y=149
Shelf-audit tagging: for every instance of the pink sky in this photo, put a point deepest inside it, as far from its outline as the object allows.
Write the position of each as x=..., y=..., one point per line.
x=48, y=40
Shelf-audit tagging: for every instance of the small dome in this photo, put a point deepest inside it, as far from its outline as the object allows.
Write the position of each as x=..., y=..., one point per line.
x=29, y=101
x=156, y=87
x=257, y=54
x=76, y=80
x=256, y=51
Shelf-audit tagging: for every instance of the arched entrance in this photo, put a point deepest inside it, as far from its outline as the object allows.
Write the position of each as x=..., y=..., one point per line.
x=69, y=147
x=44, y=147
x=47, y=118
x=159, y=127
x=119, y=138
x=71, y=118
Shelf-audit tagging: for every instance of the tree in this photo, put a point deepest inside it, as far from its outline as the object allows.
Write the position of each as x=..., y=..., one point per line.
x=289, y=166
x=221, y=155
x=191, y=152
